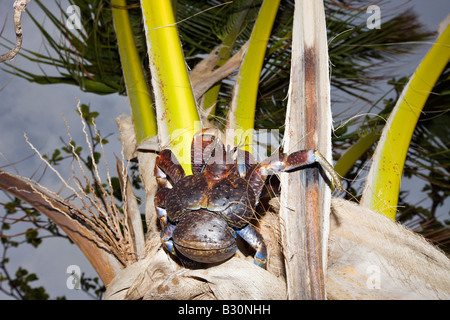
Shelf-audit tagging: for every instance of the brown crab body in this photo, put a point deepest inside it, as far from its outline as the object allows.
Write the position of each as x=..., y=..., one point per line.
x=203, y=236
x=203, y=213
x=231, y=198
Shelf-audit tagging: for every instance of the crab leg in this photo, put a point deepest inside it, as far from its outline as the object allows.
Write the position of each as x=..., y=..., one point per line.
x=254, y=238
x=167, y=165
x=282, y=162
x=167, y=228
x=166, y=235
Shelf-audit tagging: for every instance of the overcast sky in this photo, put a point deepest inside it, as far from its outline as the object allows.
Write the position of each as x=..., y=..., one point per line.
x=37, y=110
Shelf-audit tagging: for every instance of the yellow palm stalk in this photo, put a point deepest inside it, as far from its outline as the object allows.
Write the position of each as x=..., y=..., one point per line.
x=242, y=112
x=355, y=152
x=176, y=110
x=137, y=90
x=383, y=181
x=210, y=97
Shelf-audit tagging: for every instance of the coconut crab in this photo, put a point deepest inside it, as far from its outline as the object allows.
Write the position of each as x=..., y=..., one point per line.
x=201, y=214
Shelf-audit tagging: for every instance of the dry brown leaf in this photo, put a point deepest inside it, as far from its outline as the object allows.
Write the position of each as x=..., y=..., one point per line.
x=372, y=257
x=362, y=242
x=205, y=74
x=159, y=277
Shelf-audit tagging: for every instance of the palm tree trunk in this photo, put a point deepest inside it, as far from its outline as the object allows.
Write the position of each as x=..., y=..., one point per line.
x=308, y=126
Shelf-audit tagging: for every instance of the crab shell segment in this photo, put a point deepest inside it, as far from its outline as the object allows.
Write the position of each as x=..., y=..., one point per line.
x=203, y=236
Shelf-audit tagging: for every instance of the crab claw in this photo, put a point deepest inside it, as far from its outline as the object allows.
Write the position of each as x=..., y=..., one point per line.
x=283, y=162
x=335, y=179
x=305, y=157
x=167, y=166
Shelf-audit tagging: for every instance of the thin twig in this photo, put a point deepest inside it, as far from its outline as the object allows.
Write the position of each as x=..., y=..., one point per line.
x=19, y=7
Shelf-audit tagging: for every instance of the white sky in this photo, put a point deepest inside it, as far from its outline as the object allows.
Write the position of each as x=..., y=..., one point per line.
x=37, y=110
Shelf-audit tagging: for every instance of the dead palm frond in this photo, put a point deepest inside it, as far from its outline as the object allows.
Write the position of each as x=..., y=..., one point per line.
x=107, y=234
